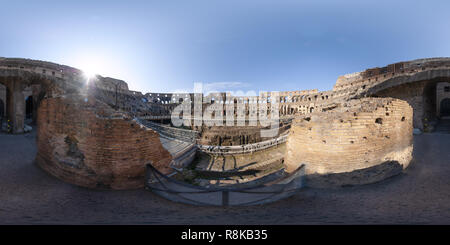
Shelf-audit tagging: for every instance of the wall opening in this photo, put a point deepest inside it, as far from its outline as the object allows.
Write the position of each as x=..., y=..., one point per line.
x=429, y=101
x=3, y=114
x=29, y=107
x=445, y=107
x=2, y=110
x=421, y=95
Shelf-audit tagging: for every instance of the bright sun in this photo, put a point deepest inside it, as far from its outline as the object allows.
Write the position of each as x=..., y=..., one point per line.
x=89, y=73
x=92, y=66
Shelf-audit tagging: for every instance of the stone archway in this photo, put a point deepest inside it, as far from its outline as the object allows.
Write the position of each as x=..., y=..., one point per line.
x=23, y=94
x=420, y=94
x=2, y=109
x=29, y=107
x=445, y=107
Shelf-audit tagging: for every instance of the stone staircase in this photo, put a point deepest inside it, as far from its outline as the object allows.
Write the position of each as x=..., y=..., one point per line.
x=183, y=152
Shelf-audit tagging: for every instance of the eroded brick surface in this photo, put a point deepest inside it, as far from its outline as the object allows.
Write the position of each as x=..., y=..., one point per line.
x=360, y=134
x=87, y=144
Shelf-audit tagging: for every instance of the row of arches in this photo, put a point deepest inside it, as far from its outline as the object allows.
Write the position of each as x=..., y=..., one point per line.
x=296, y=109
x=18, y=104
x=29, y=111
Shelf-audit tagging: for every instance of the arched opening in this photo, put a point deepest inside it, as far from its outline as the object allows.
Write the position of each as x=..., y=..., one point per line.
x=429, y=101
x=2, y=110
x=421, y=96
x=29, y=107
x=445, y=107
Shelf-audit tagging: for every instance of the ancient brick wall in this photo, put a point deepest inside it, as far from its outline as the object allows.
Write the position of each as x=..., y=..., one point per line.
x=363, y=134
x=442, y=92
x=414, y=95
x=82, y=141
x=173, y=132
x=235, y=135
x=373, y=76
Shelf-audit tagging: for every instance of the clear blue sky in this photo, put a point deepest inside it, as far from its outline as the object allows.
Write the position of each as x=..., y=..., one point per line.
x=165, y=46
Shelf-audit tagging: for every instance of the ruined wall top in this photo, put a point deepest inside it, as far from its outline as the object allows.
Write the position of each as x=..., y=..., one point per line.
x=347, y=86
x=29, y=63
x=374, y=75
x=53, y=70
x=113, y=84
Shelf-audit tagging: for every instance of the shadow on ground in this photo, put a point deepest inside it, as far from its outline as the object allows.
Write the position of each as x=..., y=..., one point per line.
x=419, y=195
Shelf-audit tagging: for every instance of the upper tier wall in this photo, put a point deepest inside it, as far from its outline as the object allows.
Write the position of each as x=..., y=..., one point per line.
x=62, y=72
x=374, y=76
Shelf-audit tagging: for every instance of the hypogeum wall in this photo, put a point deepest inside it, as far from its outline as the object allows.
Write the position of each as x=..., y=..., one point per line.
x=361, y=141
x=84, y=142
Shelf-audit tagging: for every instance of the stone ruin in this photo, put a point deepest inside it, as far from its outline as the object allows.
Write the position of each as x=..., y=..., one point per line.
x=83, y=141
x=369, y=133
x=90, y=133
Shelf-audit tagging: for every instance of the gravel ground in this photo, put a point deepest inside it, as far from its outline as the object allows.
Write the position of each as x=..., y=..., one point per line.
x=421, y=195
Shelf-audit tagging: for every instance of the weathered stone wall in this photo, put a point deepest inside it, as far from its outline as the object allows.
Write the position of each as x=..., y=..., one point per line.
x=359, y=135
x=414, y=95
x=442, y=92
x=236, y=135
x=374, y=76
x=3, y=101
x=87, y=144
x=172, y=132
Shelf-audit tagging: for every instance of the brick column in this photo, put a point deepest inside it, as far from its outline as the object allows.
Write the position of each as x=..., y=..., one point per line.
x=16, y=106
x=36, y=91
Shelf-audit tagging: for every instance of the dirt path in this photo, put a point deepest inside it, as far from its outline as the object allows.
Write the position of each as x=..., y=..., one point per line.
x=421, y=195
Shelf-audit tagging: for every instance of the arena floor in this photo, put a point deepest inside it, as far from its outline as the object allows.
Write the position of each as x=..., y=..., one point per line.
x=420, y=195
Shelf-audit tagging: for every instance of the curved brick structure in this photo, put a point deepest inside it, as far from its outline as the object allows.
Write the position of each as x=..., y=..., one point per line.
x=85, y=143
x=418, y=82
x=82, y=141
x=361, y=134
x=353, y=139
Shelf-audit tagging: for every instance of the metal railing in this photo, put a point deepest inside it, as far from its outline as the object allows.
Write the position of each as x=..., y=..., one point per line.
x=191, y=136
x=178, y=191
x=239, y=149
x=172, y=132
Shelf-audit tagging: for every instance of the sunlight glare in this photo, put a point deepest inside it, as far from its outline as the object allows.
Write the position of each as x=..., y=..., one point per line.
x=92, y=66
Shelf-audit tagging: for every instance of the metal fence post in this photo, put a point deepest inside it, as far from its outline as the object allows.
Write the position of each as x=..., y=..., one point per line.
x=225, y=198
x=147, y=174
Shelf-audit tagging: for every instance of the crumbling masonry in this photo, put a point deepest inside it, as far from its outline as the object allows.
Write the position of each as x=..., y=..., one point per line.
x=90, y=133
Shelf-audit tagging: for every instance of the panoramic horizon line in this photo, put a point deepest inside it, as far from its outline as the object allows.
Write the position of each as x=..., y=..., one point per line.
x=183, y=91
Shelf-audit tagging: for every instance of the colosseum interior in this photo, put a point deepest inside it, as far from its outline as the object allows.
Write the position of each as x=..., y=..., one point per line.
x=97, y=133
